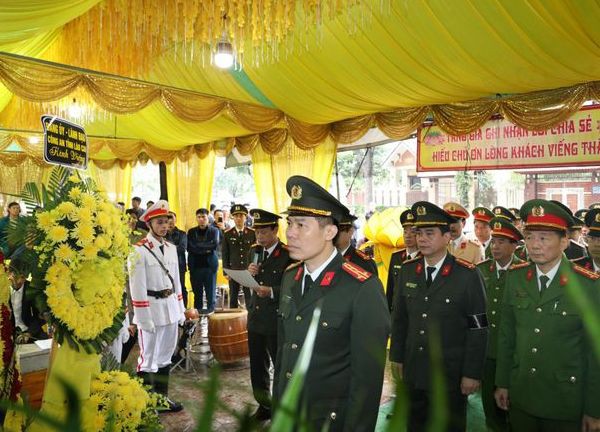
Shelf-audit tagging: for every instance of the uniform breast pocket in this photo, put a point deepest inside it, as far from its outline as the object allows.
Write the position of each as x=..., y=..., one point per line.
x=566, y=315
x=331, y=322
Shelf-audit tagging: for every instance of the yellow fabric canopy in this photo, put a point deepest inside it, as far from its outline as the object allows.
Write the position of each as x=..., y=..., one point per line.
x=378, y=64
x=354, y=72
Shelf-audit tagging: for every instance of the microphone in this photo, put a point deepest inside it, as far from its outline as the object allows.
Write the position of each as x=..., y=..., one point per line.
x=258, y=255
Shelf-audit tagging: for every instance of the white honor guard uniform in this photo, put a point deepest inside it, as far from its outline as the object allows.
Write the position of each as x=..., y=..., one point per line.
x=156, y=296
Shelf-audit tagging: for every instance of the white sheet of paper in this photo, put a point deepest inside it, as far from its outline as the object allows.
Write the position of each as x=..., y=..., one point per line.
x=243, y=277
x=44, y=343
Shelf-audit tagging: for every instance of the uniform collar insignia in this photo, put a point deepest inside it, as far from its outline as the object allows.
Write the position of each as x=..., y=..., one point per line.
x=327, y=278
x=563, y=280
x=529, y=274
x=419, y=269
x=299, y=273
x=446, y=269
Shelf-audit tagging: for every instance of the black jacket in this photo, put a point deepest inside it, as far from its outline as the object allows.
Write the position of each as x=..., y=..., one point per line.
x=30, y=316
x=454, y=306
x=262, y=311
x=202, y=248
x=179, y=239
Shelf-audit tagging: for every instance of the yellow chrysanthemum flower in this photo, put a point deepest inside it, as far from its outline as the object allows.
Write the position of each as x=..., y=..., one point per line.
x=75, y=193
x=88, y=201
x=58, y=234
x=45, y=220
x=103, y=219
x=89, y=251
x=83, y=233
x=64, y=252
x=66, y=208
x=85, y=214
x=74, y=179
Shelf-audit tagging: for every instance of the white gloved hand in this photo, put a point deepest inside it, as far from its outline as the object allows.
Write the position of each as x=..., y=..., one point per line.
x=147, y=327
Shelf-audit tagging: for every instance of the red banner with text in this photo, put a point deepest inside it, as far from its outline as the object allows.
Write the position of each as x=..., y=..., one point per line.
x=500, y=144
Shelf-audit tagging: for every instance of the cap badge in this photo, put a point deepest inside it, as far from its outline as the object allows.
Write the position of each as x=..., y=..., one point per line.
x=409, y=216
x=498, y=211
x=481, y=212
x=537, y=211
x=497, y=226
x=256, y=215
x=296, y=192
x=452, y=208
x=421, y=211
x=597, y=217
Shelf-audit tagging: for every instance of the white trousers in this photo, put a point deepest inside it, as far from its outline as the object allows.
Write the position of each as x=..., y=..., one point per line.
x=156, y=349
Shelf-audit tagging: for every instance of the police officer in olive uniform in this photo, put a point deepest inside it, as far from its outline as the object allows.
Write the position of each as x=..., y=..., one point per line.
x=342, y=387
x=460, y=246
x=592, y=261
x=547, y=373
x=483, y=231
x=440, y=300
x=349, y=252
x=505, y=238
x=512, y=215
x=574, y=250
x=407, y=220
x=234, y=249
x=269, y=258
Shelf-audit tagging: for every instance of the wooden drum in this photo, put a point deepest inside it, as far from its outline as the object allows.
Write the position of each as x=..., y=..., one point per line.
x=228, y=335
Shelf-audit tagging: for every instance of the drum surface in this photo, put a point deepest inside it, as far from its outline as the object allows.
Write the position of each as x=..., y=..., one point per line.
x=228, y=335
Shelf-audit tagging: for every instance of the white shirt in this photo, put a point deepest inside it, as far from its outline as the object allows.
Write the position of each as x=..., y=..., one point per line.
x=317, y=272
x=550, y=274
x=596, y=267
x=16, y=300
x=411, y=255
x=485, y=244
x=438, y=266
x=499, y=267
x=271, y=249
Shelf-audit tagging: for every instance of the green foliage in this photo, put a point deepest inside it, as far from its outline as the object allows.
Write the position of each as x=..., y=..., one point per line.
x=485, y=192
x=464, y=181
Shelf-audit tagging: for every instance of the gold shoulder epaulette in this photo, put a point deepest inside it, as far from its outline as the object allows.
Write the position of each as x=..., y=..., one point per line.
x=520, y=265
x=254, y=245
x=251, y=229
x=294, y=265
x=142, y=242
x=363, y=255
x=464, y=263
x=283, y=245
x=355, y=271
x=585, y=272
x=408, y=261
x=487, y=261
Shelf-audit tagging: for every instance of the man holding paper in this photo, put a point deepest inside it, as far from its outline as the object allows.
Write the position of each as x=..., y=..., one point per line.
x=269, y=258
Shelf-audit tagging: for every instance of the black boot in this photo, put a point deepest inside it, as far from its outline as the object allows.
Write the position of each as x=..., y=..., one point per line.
x=147, y=379
x=161, y=384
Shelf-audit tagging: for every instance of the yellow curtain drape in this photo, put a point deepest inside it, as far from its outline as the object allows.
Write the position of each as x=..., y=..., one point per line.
x=114, y=181
x=272, y=171
x=13, y=178
x=189, y=186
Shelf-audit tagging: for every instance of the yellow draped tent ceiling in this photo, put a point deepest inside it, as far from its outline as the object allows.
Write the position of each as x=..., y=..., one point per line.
x=376, y=63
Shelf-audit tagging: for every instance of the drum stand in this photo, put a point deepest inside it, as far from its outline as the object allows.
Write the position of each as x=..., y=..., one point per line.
x=190, y=327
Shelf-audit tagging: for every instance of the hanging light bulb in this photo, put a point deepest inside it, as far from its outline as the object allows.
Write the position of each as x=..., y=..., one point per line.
x=223, y=56
x=75, y=110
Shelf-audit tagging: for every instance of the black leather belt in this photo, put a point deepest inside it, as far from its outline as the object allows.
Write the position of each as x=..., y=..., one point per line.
x=160, y=294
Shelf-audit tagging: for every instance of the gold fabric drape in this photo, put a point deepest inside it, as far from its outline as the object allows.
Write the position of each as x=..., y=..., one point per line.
x=46, y=82
x=272, y=171
x=189, y=186
x=115, y=181
x=13, y=178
